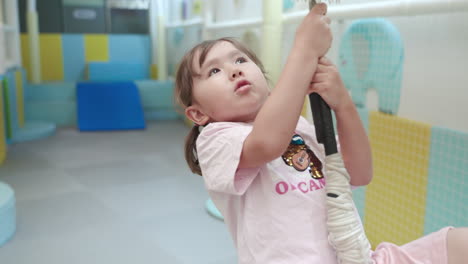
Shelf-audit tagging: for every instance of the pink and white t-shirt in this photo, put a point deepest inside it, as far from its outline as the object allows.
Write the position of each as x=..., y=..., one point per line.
x=275, y=213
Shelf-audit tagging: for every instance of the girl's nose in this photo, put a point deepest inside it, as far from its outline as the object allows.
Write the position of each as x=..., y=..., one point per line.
x=236, y=74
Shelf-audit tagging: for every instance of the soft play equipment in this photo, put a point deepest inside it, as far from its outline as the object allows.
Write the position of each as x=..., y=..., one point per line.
x=16, y=128
x=420, y=172
x=371, y=56
x=109, y=106
x=7, y=213
x=157, y=99
x=117, y=71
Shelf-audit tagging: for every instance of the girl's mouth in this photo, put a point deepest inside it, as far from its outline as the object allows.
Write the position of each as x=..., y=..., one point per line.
x=242, y=85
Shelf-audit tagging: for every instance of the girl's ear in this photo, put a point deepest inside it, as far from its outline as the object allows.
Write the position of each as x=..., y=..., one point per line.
x=197, y=116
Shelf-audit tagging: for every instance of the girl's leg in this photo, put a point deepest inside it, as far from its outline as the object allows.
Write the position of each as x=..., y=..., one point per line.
x=457, y=246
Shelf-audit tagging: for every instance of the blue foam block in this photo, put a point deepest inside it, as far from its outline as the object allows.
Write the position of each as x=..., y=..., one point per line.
x=158, y=94
x=117, y=71
x=109, y=106
x=50, y=91
x=7, y=213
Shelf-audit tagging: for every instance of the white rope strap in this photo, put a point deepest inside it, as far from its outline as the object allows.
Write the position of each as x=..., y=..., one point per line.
x=346, y=234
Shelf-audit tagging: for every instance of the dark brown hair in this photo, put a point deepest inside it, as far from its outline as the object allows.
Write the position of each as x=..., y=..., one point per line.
x=184, y=87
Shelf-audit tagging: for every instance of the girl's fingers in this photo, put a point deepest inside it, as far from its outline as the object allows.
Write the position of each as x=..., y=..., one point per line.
x=326, y=20
x=316, y=87
x=321, y=68
x=325, y=61
x=319, y=77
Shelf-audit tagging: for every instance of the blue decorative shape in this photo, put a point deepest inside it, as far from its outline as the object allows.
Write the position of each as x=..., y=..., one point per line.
x=109, y=106
x=447, y=183
x=117, y=71
x=73, y=57
x=129, y=48
x=7, y=213
x=377, y=63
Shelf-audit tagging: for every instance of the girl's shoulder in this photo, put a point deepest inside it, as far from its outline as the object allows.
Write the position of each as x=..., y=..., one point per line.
x=224, y=127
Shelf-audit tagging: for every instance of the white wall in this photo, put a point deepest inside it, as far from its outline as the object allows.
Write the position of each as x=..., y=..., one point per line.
x=435, y=79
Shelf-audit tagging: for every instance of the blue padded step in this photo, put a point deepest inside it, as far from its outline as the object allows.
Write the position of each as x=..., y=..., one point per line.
x=117, y=71
x=109, y=106
x=7, y=213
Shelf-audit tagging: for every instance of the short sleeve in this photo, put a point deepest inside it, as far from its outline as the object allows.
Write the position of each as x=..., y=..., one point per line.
x=219, y=148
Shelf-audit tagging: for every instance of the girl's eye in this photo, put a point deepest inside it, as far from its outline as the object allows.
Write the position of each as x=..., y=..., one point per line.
x=213, y=71
x=241, y=60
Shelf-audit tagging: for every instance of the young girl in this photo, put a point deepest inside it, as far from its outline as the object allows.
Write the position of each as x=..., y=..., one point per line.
x=260, y=160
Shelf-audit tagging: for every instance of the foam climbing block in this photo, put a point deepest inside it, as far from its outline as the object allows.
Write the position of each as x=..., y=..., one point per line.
x=117, y=71
x=447, y=187
x=396, y=198
x=156, y=93
x=7, y=213
x=53, y=102
x=51, y=91
x=109, y=106
x=157, y=99
x=61, y=113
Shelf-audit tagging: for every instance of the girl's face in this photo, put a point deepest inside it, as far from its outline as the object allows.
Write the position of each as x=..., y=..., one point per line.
x=230, y=87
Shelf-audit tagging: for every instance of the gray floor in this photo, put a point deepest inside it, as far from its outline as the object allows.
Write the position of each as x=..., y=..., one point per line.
x=118, y=197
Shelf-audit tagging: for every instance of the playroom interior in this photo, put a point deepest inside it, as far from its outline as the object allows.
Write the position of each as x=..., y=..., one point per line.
x=92, y=165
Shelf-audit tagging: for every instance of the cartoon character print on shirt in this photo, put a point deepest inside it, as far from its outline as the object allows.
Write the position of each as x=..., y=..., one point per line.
x=301, y=157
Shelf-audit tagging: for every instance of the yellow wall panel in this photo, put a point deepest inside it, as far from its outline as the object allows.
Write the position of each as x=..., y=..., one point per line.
x=96, y=47
x=396, y=197
x=154, y=71
x=25, y=55
x=3, y=147
x=19, y=98
x=51, y=57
